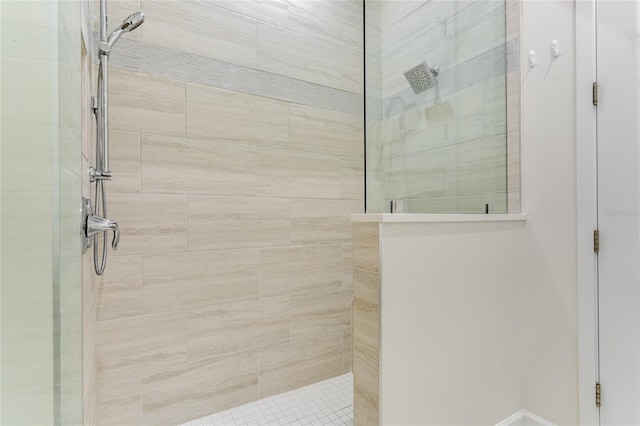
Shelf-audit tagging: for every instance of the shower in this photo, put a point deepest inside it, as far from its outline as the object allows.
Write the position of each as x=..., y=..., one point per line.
x=95, y=221
x=422, y=77
x=129, y=24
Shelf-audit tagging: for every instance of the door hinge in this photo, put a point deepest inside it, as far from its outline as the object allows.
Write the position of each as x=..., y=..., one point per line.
x=595, y=93
x=598, y=395
x=596, y=241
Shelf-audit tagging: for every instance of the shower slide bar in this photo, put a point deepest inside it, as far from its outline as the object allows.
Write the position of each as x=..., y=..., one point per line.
x=94, y=218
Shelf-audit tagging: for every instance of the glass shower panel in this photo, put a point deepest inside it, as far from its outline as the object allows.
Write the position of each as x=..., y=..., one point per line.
x=444, y=149
x=67, y=279
x=40, y=255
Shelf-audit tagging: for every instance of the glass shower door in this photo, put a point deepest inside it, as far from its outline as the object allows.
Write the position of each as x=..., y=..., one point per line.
x=40, y=186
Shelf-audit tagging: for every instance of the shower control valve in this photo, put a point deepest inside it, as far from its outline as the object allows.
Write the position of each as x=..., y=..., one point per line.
x=93, y=225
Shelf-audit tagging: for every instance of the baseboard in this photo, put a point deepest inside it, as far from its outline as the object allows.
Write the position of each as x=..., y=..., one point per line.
x=525, y=418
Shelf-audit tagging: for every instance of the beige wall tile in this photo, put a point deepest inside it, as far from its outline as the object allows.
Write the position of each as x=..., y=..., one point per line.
x=325, y=131
x=366, y=254
x=229, y=116
x=421, y=174
x=366, y=355
x=240, y=326
x=120, y=288
x=366, y=311
x=120, y=403
x=338, y=22
x=347, y=350
x=198, y=389
x=319, y=221
x=366, y=390
x=320, y=313
x=237, y=222
x=473, y=203
x=476, y=29
x=513, y=162
x=146, y=103
x=297, y=174
x=209, y=239
x=139, y=346
x=494, y=105
x=195, y=279
x=201, y=28
x=352, y=174
x=479, y=167
x=295, y=55
x=352, y=71
x=513, y=101
x=300, y=269
x=189, y=166
x=124, y=153
x=347, y=264
x=294, y=365
x=272, y=11
x=149, y=223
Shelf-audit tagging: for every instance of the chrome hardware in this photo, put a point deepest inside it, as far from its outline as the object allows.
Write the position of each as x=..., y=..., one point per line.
x=94, y=105
x=97, y=224
x=93, y=225
x=395, y=206
x=87, y=210
x=104, y=48
x=95, y=175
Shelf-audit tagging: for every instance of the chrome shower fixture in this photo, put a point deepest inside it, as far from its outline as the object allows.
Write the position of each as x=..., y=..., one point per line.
x=95, y=222
x=422, y=77
x=129, y=24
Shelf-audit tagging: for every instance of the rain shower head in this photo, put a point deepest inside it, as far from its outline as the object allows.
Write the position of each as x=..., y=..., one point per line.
x=130, y=23
x=422, y=77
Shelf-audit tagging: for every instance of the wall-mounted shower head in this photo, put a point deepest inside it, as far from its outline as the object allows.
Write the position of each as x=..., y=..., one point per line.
x=130, y=23
x=422, y=77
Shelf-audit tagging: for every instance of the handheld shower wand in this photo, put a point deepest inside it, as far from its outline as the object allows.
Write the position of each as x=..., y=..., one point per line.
x=129, y=24
x=95, y=221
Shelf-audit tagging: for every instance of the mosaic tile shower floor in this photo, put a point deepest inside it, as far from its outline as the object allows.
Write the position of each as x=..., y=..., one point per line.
x=329, y=402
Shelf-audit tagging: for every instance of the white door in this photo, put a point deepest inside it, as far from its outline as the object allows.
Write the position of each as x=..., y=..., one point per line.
x=618, y=56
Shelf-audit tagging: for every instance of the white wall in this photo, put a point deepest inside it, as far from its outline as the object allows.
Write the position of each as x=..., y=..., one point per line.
x=550, y=347
x=467, y=257
x=451, y=324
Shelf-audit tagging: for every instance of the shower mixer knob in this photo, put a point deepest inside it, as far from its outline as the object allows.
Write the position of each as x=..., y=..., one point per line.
x=97, y=224
x=93, y=225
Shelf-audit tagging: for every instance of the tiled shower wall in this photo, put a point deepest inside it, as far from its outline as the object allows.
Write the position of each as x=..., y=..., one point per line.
x=237, y=160
x=454, y=148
